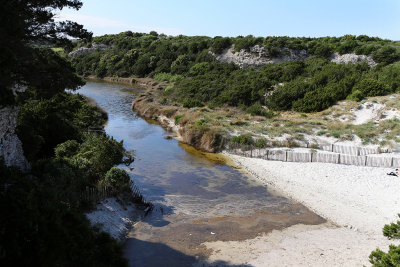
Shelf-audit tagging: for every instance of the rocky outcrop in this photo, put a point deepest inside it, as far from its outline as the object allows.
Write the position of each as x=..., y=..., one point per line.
x=88, y=50
x=257, y=57
x=10, y=145
x=352, y=58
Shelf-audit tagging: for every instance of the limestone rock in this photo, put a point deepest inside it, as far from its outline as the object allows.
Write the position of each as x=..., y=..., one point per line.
x=88, y=50
x=257, y=57
x=10, y=145
x=352, y=58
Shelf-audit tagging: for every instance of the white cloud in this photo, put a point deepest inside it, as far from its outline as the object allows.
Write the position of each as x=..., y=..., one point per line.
x=102, y=25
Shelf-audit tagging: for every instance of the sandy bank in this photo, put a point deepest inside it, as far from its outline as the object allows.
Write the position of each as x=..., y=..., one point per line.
x=356, y=200
x=299, y=245
x=114, y=218
x=360, y=198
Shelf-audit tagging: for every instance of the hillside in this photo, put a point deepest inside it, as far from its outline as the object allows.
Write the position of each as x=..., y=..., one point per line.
x=307, y=74
x=281, y=91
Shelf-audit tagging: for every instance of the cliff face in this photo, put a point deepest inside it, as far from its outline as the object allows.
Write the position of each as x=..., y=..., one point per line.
x=88, y=50
x=352, y=58
x=10, y=145
x=257, y=57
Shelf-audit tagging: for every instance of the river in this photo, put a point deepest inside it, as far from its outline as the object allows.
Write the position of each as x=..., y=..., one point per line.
x=197, y=196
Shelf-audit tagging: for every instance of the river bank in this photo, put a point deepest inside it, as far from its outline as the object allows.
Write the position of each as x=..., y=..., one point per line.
x=356, y=201
x=115, y=217
x=295, y=243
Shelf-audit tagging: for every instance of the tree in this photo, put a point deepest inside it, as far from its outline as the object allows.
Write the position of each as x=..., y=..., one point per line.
x=25, y=25
x=392, y=257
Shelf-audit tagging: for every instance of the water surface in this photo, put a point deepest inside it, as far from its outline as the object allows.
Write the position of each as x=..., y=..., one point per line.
x=197, y=199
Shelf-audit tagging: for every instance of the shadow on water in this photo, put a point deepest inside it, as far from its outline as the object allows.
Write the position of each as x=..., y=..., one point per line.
x=149, y=254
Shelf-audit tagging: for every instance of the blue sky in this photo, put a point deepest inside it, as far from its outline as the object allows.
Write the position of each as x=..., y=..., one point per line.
x=312, y=18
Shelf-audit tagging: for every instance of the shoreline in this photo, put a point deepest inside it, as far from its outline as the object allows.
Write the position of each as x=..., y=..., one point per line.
x=114, y=217
x=335, y=243
x=357, y=202
x=360, y=198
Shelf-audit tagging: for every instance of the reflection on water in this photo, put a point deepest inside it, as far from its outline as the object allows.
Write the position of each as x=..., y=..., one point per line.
x=185, y=185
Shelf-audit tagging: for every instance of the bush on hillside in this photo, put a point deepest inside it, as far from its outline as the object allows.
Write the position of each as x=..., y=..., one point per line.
x=386, y=55
x=371, y=87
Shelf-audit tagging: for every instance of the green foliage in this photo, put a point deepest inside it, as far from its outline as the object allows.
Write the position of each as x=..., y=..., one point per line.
x=220, y=43
x=42, y=222
x=199, y=69
x=118, y=180
x=168, y=88
x=356, y=95
x=306, y=86
x=371, y=87
x=44, y=225
x=386, y=55
x=40, y=69
x=247, y=42
x=257, y=110
x=178, y=118
x=389, y=75
x=44, y=124
x=191, y=103
x=380, y=258
x=201, y=122
x=101, y=151
x=322, y=50
x=167, y=77
x=180, y=65
x=283, y=97
x=67, y=149
x=392, y=231
x=244, y=139
x=261, y=143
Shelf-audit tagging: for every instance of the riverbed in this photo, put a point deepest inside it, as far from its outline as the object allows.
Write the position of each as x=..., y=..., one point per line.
x=198, y=197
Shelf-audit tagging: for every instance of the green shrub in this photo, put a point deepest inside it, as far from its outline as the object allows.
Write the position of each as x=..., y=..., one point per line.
x=178, y=118
x=392, y=230
x=167, y=77
x=67, y=149
x=386, y=55
x=191, y=103
x=44, y=124
x=244, y=139
x=201, y=122
x=117, y=179
x=199, y=69
x=371, y=87
x=220, y=43
x=257, y=110
x=261, y=143
x=392, y=257
x=356, y=95
x=324, y=51
x=168, y=88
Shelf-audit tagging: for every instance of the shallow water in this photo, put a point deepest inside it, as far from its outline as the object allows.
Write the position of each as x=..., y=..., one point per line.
x=197, y=197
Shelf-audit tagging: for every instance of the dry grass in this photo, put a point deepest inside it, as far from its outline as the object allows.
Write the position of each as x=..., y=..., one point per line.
x=288, y=128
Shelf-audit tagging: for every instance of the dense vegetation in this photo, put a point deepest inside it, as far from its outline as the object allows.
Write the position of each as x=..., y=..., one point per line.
x=305, y=86
x=42, y=221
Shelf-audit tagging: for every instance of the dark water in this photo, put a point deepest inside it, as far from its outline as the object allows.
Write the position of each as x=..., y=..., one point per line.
x=194, y=193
